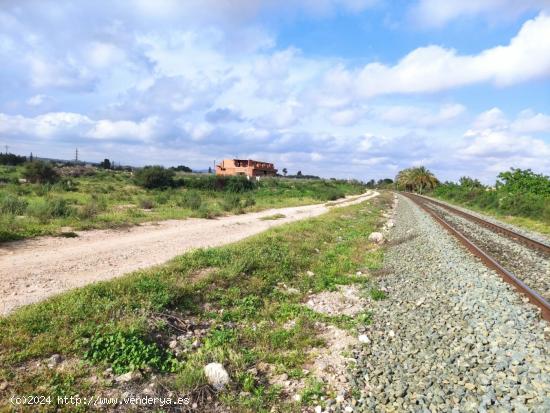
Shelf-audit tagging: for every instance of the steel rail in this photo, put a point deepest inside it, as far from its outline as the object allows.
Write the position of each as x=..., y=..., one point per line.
x=534, y=297
x=529, y=242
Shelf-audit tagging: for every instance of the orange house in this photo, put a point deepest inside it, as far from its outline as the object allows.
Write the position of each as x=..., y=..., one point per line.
x=245, y=167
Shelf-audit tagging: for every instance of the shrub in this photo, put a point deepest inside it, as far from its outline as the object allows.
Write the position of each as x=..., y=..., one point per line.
x=154, y=177
x=93, y=207
x=231, y=202
x=235, y=184
x=49, y=208
x=191, y=200
x=128, y=351
x=10, y=204
x=11, y=159
x=239, y=184
x=146, y=203
x=40, y=172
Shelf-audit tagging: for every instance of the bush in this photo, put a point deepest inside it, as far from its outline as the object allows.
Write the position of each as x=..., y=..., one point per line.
x=154, y=177
x=238, y=184
x=517, y=192
x=11, y=159
x=191, y=200
x=235, y=184
x=49, y=208
x=146, y=203
x=13, y=205
x=231, y=202
x=40, y=172
x=93, y=207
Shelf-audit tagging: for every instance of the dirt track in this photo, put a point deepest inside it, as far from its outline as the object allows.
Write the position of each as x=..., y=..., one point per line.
x=35, y=269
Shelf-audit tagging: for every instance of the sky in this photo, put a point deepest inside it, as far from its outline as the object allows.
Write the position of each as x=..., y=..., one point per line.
x=336, y=88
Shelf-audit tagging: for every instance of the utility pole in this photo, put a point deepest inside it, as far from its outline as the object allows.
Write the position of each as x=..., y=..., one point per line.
x=76, y=156
x=6, y=146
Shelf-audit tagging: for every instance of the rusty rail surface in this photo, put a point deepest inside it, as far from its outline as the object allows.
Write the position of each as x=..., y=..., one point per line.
x=529, y=242
x=534, y=297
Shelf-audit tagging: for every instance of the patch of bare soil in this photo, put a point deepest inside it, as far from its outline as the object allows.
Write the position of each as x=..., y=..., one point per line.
x=330, y=362
x=346, y=301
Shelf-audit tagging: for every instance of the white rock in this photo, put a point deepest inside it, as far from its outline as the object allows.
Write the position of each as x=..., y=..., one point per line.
x=358, y=273
x=217, y=376
x=348, y=409
x=339, y=399
x=297, y=398
x=363, y=338
x=173, y=344
x=318, y=409
x=127, y=377
x=54, y=360
x=376, y=237
x=310, y=273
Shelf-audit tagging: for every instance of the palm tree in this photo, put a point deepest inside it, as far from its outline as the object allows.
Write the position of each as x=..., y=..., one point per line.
x=416, y=179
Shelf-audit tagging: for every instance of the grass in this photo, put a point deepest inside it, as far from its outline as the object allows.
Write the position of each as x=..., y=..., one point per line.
x=110, y=199
x=240, y=298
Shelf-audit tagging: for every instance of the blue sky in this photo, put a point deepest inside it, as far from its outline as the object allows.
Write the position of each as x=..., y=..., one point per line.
x=343, y=88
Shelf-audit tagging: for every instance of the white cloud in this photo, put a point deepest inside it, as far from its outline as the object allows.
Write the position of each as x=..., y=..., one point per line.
x=199, y=131
x=492, y=118
x=438, y=12
x=36, y=100
x=63, y=124
x=434, y=68
x=527, y=121
x=346, y=117
x=417, y=116
x=102, y=55
x=124, y=129
x=530, y=122
x=498, y=144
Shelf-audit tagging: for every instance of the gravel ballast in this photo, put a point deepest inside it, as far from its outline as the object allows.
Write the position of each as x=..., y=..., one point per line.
x=530, y=265
x=530, y=234
x=451, y=336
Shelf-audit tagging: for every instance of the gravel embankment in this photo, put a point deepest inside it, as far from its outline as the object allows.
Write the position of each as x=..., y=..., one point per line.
x=451, y=336
x=534, y=235
x=531, y=266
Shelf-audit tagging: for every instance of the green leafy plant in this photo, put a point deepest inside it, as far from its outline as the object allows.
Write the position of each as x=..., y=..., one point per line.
x=10, y=204
x=40, y=172
x=128, y=351
x=377, y=294
x=191, y=200
x=154, y=177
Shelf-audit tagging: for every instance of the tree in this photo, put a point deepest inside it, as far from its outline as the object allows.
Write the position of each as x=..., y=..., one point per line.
x=40, y=172
x=469, y=183
x=106, y=164
x=299, y=173
x=182, y=168
x=285, y=171
x=523, y=181
x=416, y=179
x=11, y=159
x=154, y=177
x=209, y=169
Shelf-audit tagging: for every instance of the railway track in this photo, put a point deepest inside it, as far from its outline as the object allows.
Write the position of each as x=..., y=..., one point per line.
x=520, y=260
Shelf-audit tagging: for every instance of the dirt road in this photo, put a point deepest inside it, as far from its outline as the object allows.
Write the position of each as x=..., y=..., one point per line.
x=35, y=269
